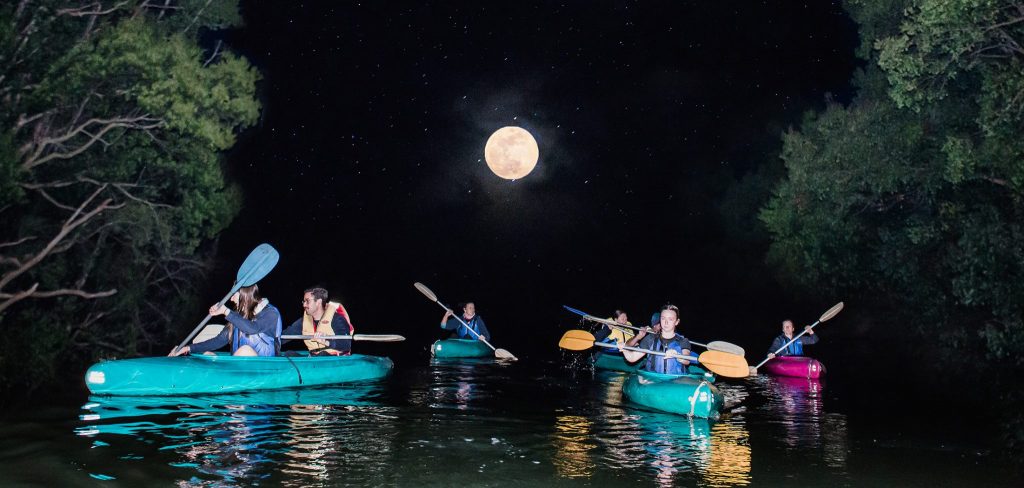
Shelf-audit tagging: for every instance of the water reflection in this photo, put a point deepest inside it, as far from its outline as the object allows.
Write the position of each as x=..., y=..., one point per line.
x=250, y=437
x=674, y=448
x=796, y=404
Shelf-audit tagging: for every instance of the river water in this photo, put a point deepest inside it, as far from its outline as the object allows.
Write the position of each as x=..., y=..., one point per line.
x=485, y=423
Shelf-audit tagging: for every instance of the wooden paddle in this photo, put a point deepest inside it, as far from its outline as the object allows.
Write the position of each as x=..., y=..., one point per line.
x=498, y=353
x=711, y=346
x=832, y=312
x=725, y=364
x=260, y=261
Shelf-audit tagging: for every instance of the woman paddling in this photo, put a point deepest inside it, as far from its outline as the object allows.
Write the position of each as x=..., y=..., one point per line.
x=469, y=316
x=797, y=347
x=254, y=330
x=674, y=345
x=612, y=335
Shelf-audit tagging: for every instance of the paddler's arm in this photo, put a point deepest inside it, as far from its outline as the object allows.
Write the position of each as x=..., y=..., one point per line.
x=483, y=328
x=294, y=329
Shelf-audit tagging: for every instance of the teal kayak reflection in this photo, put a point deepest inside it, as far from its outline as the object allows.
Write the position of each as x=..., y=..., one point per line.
x=675, y=450
x=244, y=437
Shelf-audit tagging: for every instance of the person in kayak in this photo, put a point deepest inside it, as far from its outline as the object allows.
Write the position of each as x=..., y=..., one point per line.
x=254, y=330
x=674, y=345
x=321, y=317
x=469, y=316
x=797, y=347
x=655, y=328
x=613, y=335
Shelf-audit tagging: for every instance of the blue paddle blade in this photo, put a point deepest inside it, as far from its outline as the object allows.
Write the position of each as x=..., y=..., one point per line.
x=577, y=312
x=260, y=261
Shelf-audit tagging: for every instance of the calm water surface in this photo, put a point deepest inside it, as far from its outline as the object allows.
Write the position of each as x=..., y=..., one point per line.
x=484, y=423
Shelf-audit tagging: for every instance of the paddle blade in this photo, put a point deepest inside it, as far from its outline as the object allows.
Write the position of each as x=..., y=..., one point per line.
x=504, y=354
x=576, y=340
x=726, y=347
x=832, y=312
x=425, y=291
x=209, y=332
x=725, y=364
x=575, y=311
x=260, y=261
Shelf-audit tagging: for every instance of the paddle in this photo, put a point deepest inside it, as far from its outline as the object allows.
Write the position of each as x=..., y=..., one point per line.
x=832, y=312
x=498, y=353
x=357, y=337
x=711, y=346
x=211, y=331
x=260, y=261
x=725, y=364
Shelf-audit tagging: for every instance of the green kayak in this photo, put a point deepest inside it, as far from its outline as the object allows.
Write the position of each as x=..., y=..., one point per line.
x=614, y=362
x=460, y=348
x=692, y=394
x=223, y=373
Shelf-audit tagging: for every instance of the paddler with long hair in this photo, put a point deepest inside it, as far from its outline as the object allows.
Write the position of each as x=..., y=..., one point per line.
x=253, y=330
x=321, y=317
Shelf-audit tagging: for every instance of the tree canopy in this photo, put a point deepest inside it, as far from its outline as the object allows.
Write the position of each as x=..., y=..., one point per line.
x=911, y=194
x=113, y=124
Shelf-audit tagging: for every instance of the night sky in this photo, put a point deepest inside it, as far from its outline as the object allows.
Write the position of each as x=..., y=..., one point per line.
x=366, y=168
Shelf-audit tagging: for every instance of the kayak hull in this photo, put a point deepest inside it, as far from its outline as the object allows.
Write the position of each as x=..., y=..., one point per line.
x=692, y=395
x=795, y=367
x=614, y=362
x=223, y=373
x=460, y=348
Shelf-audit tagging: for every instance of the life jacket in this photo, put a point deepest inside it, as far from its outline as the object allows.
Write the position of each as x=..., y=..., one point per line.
x=618, y=334
x=462, y=333
x=309, y=327
x=794, y=349
x=661, y=364
x=264, y=344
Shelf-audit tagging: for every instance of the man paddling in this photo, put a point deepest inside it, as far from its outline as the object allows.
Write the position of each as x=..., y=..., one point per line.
x=797, y=347
x=321, y=317
x=674, y=345
x=469, y=316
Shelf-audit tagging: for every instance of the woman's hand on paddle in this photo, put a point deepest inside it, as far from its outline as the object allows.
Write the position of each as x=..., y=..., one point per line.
x=218, y=309
x=809, y=329
x=447, y=315
x=673, y=354
x=771, y=355
x=179, y=352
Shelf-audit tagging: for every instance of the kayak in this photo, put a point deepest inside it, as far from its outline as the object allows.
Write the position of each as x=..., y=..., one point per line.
x=795, y=366
x=224, y=373
x=691, y=394
x=460, y=348
x=614, y=362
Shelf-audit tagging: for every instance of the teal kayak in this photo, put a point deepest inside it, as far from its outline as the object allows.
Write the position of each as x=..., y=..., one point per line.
x=460, y=348
x=692, y=394
x=614, y=362
x=223, y=373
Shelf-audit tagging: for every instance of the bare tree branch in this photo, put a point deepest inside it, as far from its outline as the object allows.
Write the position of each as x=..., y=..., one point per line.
x=142, y=122
x=15, y=243
x=83, y=12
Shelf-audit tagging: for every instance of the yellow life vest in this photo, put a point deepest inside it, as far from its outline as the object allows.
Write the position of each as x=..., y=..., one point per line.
x=620, y=334
x=324, y=325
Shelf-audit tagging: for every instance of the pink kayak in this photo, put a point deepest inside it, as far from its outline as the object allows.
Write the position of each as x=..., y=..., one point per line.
x=795, y=366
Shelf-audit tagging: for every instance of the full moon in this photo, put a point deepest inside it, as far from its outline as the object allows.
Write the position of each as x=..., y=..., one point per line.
x=511, y=152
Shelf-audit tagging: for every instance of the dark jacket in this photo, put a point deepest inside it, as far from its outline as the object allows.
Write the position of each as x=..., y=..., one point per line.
x=794, y=349
x=266, y=322
x=476, y=323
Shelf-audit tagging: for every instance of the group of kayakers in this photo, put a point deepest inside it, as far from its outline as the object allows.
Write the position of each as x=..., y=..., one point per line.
x=662, y=336
x=255, y=327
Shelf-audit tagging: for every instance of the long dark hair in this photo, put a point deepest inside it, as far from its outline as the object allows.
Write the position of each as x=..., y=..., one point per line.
x=248, y=298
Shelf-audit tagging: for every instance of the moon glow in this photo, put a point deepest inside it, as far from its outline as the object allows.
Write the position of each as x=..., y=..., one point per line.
x=511, y=152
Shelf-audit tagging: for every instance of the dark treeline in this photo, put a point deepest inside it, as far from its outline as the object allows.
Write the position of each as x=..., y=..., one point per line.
x=908, y=199
x=113, y=124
